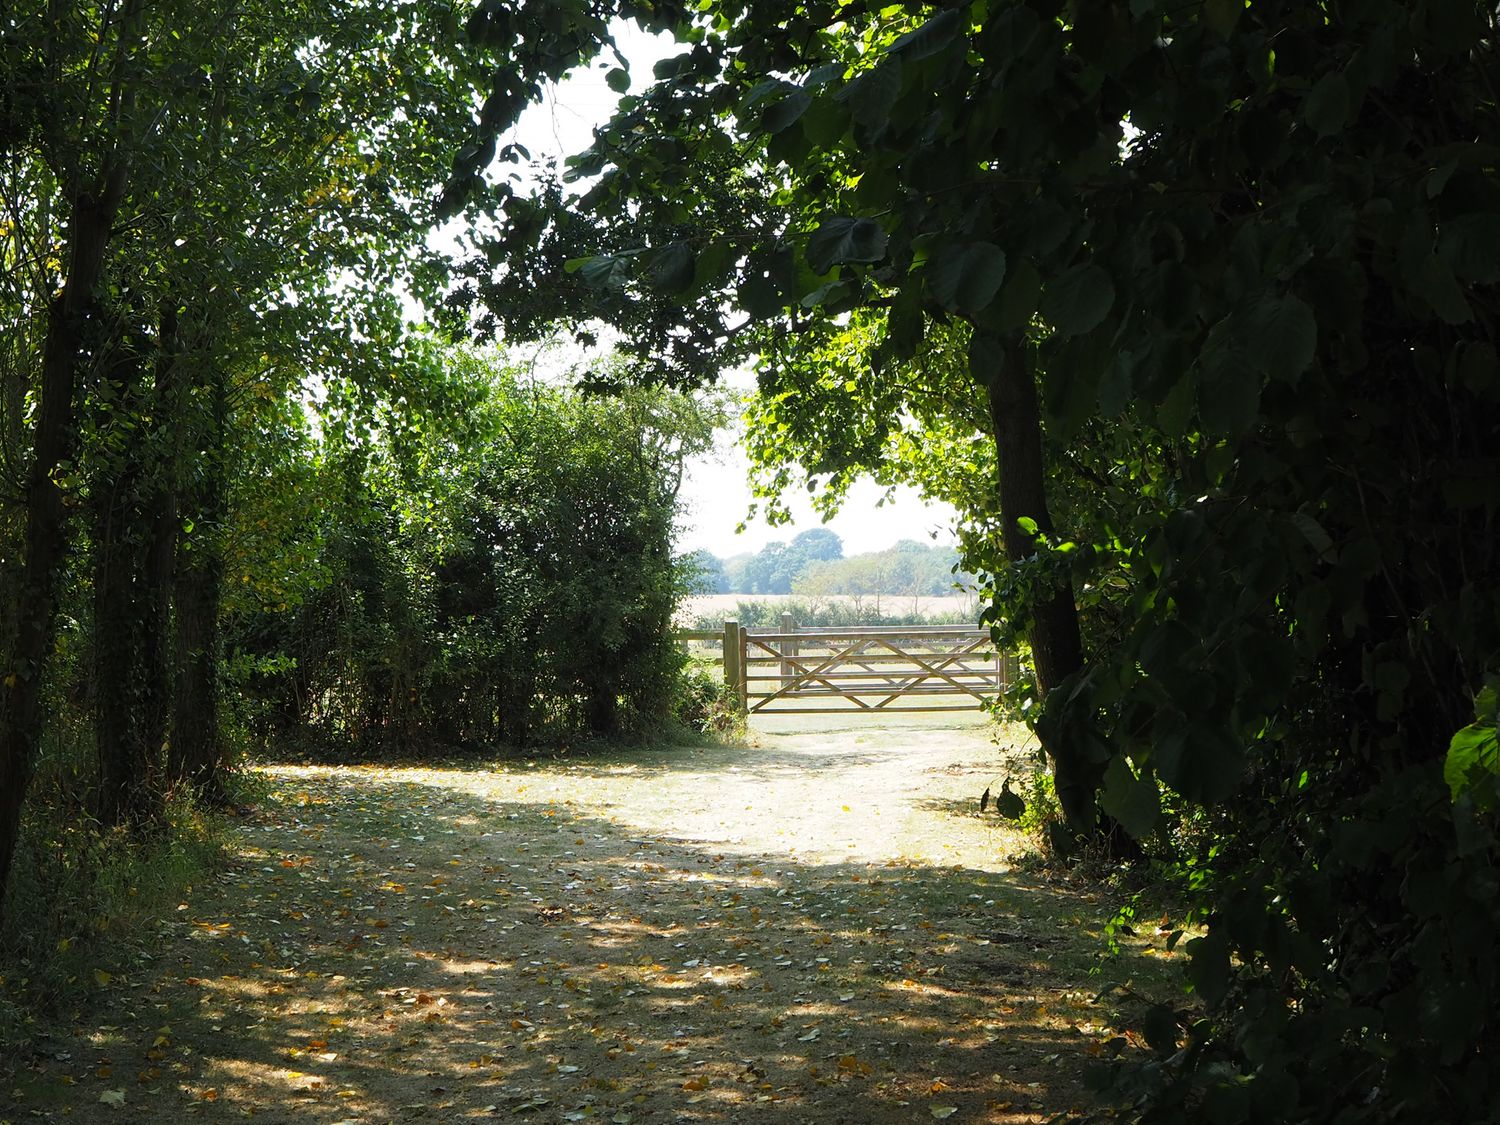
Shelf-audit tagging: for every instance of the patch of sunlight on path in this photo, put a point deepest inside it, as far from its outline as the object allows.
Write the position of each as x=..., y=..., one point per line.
x=815, y=788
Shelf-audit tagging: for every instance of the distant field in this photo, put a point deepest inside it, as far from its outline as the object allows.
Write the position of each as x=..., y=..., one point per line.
x=724, y=605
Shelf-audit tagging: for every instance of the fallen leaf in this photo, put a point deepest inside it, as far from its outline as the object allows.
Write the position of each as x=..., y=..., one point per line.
x=115, y=1098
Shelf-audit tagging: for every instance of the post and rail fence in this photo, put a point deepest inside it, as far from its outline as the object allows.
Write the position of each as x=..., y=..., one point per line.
x=787, y=670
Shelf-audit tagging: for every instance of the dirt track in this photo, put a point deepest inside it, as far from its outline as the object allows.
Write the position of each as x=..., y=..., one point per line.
x=817, y=928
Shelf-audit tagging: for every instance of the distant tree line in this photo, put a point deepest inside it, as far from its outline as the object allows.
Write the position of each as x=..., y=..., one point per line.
x=813, y=565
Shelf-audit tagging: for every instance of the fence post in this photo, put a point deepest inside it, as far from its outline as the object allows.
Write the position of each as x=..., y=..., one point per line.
x=734, y=657
x=788, y=648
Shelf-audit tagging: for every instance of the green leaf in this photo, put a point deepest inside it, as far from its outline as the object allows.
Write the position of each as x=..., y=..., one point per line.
x=905, y=324
x=605, y=271
x=1077, y=300
x=618, y=80
x=1208, y=968
x=839, y=239
x=1434, y=283
x=964, y=277
x=1203, y=762
x=1317, y=538
x=1016, y=303
x=760, y=296
x=715, y=258
x=1470, y=247
x=1223, y=15
x=1487, y=704
x=1285, y=334
x=672, y=267
x=1008, y=804
x=1229, y=392
x=1326, y=109
x=785, y=113
x=873, y=94
x=1159, y=1026
x=927, y=40
x=1176, y=409
x=1478, y=366
x=1473, y=753
x=1133, y=801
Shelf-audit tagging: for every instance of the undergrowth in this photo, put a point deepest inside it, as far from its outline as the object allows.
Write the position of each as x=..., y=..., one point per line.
x=84, y=901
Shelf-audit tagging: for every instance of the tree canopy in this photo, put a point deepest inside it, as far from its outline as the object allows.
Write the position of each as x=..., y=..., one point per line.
x=1218, y=282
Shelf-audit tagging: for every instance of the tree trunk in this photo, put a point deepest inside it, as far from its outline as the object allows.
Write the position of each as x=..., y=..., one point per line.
x=64, y=355
x=1056, y=646
x=126, y=493
x=161, y=512
x=194, y=755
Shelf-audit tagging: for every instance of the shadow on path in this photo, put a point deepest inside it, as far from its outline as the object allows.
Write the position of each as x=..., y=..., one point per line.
x=456, y=944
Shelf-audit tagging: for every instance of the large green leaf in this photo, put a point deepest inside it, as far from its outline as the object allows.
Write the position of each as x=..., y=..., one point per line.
x=1222, y=15
x=1133, y=801
x=964, y=277
x=1202, y=762
x=1327, y=107
x=1077, y=300
x=1283, y=333
x=1434, y=282
x=840, y=239
x=932, y=37
x=1470, y=246
x=603, y=271
x=1208, y=968
x=872, y=95
x=1229, y=390
x=672, y=267
x=1473, y=754
x=786, y=112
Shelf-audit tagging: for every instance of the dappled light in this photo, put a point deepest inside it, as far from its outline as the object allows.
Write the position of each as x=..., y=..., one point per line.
x=554, y=938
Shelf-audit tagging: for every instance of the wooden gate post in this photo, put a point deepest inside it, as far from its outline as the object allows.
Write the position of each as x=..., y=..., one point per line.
x=788, y=648
x=734, y=662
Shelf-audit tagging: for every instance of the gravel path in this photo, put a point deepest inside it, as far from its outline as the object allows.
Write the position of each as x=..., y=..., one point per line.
x=818, y=927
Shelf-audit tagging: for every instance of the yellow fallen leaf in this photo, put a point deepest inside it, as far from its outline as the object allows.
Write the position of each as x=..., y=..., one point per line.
x=103, y=978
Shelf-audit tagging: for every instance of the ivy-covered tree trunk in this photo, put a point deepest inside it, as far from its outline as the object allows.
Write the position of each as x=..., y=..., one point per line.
x=64, y=355
x=194, y=755
x=126, y=495
x=134, y=506
x=1056, y=644
x=160, y=561
x=123, y=796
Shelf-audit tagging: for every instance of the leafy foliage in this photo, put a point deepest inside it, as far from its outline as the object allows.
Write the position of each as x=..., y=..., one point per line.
x=494, y=568
x=1250, y=340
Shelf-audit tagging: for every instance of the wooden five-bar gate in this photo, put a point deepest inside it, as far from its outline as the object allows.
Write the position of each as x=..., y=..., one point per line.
x=789, y=670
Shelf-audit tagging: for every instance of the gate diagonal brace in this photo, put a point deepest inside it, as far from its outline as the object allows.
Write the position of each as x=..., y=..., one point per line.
x=807, y=675
x=933, y=671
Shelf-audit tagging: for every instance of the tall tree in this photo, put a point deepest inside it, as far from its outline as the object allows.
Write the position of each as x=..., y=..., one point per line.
x=235, y=195
x=1275, y=300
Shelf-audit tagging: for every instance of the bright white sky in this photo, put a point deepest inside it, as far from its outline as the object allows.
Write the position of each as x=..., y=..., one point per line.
x=716, y=495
